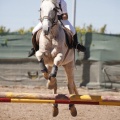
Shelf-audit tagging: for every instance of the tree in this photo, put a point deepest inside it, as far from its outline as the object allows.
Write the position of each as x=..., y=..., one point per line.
x=21, y=31
x=30, y=29
x=103, y=29
x=4, y=30
x=90, y=28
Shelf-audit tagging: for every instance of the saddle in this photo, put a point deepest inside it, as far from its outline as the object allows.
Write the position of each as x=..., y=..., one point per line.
x=35, y=40
x=68, y=35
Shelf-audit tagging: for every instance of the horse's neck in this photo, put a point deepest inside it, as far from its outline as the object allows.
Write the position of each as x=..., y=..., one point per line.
x=55, y=30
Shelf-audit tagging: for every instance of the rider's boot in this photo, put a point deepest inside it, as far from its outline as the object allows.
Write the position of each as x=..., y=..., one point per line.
x=31, y=52
x=77, y=45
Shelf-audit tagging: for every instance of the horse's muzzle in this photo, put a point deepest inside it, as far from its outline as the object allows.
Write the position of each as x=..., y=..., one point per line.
x=46, y=32
x=46, y=26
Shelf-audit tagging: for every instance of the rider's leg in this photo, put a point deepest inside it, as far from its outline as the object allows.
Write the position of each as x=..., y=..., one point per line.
x=31, y=52
x=76, y=44
x=36, y=28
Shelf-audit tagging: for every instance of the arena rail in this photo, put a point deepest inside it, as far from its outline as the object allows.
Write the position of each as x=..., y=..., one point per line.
x=59, y=98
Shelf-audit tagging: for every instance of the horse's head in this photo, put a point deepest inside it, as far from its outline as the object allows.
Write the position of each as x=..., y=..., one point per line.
x=48, y=15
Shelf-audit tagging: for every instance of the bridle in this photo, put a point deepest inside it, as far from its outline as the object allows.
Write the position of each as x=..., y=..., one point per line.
x=52, y=20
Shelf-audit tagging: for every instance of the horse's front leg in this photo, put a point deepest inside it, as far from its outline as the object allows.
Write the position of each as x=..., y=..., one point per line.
x=39, y=56
x=52, y=77
x=57, y=61
x=55, y=105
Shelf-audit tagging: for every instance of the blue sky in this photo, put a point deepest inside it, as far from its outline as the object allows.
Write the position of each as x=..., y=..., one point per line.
x=16, y=14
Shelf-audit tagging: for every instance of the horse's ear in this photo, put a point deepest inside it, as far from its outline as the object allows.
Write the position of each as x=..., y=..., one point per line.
x=54, y=1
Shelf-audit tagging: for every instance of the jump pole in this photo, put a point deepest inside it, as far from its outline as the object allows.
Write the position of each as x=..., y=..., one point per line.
x=59, y=99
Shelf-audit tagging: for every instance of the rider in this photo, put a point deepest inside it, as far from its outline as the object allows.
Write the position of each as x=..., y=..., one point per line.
x=63, y=16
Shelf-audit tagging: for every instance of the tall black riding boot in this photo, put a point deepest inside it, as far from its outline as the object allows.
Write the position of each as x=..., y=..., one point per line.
x=77, y=45
x=31, y=53
x=36, y=47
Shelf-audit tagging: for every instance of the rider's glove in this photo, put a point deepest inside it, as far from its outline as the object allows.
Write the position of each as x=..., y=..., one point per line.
x=59, y=17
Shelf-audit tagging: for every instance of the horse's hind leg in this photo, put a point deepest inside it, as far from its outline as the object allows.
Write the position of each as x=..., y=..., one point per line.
x=55, y=106
x=69, y=68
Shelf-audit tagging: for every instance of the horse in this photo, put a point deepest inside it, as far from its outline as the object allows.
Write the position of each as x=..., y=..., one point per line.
x=53, y=51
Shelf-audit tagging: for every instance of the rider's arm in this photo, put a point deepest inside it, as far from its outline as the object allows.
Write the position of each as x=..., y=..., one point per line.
x=64, y=10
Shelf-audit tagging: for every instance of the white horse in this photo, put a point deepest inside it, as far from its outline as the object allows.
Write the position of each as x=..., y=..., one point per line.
x=53, y=51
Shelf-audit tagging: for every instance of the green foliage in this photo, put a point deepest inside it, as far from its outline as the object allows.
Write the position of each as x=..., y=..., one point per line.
x=90, y=29
x=30, y=29
x=4, y=30
x=83, y=30
x=21, y=31
x=103, y=29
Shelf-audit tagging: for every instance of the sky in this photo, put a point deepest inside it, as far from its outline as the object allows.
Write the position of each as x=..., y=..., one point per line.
x=16, y=14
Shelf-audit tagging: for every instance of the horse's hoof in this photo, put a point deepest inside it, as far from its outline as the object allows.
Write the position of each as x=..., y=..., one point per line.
x=73, y=111
x=51, y=84
x=55, y=111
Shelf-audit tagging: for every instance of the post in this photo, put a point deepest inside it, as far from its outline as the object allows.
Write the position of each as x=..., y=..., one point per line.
x=74, y=12
x=73, y=23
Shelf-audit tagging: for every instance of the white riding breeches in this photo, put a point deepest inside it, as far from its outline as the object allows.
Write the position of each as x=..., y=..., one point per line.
x=37, y=27
x=66, y=23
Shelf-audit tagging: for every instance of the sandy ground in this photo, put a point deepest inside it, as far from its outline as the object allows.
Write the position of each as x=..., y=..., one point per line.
x=14, y=78
x=27, y=111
